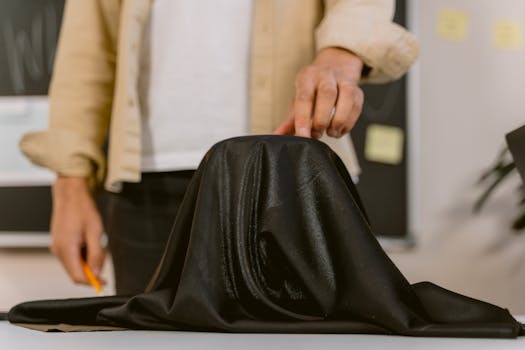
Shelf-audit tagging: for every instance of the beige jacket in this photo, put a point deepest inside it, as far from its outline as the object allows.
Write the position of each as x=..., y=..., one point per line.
x=94, y=86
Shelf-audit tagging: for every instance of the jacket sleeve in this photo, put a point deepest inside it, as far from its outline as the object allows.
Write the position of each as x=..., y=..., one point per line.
x=365, y=27
x=80, y=93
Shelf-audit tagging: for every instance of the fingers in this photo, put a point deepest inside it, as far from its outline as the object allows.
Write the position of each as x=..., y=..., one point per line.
x=356, y=111
x=330, y=80
x=68, y=252
x=318, y=92
x=326, y=97
x=95, y=251
x=348, y=108
x=75, y=223
x=66, y=240
x=305, y=86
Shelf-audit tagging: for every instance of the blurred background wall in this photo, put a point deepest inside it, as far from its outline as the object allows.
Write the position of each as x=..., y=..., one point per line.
x=465, y=93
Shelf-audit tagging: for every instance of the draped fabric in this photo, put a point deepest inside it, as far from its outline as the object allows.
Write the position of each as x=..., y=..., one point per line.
x=271, y=237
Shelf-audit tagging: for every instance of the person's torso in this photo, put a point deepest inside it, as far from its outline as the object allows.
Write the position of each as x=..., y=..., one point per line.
x=193, y=79
x=282, y=43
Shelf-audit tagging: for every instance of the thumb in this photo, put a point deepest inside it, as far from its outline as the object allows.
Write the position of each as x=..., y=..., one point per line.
x=95, y=252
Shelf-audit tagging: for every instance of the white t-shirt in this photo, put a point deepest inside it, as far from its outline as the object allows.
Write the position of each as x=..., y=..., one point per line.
x=194, y=78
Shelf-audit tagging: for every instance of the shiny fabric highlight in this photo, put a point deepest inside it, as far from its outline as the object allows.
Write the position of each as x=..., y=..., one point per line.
x=271, y=237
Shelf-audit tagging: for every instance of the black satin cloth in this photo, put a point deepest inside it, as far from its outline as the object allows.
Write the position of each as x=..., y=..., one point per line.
x=271, y=237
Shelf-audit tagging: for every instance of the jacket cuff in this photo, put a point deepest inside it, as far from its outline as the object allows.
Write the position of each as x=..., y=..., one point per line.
x=64, y=153
x=386, y=47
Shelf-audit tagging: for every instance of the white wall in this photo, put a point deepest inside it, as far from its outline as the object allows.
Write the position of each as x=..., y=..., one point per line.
x=466, y=95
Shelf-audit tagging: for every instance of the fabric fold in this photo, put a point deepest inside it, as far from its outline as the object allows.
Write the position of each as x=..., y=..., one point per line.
x=271, y=237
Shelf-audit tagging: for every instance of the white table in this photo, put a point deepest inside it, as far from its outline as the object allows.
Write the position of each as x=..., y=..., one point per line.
x=13, y=337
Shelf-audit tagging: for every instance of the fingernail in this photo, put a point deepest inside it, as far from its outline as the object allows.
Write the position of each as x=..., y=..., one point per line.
x=316, y=134
x=96, y=271
x=303, y=132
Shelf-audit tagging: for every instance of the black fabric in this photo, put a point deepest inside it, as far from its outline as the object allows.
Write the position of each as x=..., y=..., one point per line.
x=516, y=143
x=139, y=221
x=270, y=237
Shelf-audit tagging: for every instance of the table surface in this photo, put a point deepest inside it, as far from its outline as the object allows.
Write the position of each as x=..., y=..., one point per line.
x=13, y=337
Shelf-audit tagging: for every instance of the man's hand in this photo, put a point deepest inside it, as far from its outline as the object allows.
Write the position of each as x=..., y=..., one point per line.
x=75, y=223
x=327, y=96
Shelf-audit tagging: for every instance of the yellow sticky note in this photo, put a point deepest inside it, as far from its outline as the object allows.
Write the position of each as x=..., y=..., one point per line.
x=384, y=144
x=507, y=34
x=452, y=24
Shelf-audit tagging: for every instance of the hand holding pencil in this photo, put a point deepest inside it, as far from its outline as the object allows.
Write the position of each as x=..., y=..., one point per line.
x=76, y=223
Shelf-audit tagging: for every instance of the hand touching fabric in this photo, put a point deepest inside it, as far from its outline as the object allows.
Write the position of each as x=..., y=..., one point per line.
x=271, y=236
x=327, y=96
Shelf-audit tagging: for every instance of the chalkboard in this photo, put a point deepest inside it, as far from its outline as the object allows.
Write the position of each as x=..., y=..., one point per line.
x=25, y=208
x=28, y=36
x=383, y=186
x=29, y=32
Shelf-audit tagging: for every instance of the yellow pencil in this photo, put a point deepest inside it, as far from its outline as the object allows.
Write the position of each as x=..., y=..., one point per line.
x=91, y=277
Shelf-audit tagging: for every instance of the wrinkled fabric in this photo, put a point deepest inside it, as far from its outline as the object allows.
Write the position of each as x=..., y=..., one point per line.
x=271, y=237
